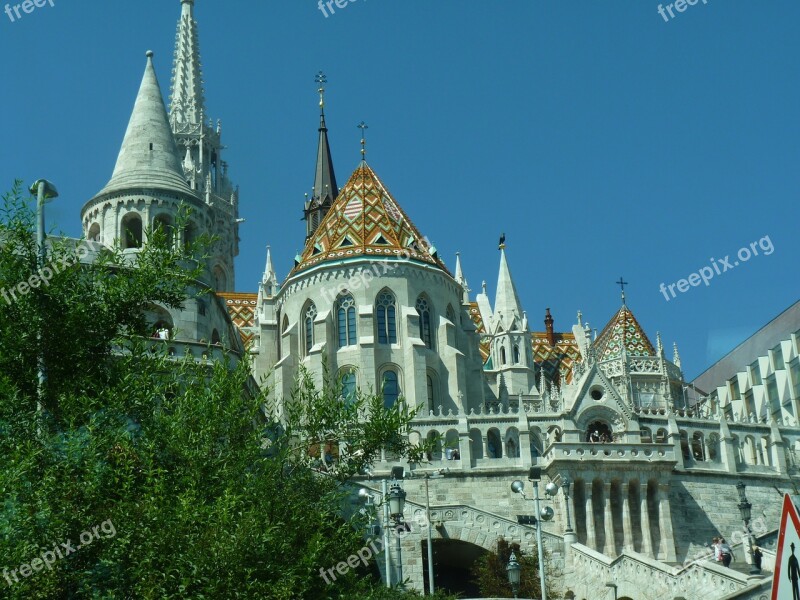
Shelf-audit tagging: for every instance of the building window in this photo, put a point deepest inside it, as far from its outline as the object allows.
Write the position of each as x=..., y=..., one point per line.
x=310, y=314
x=346, y=319
x=502, y=356
x=516, y=354
x=391, y=388
x=777, y=358
x=795, y=370
x=132, y=231
x=431, y=391
x=772, y=396
x=424, y=311
x=348, y=386
x=450, y=314
x=387, y=318
x=755, y=373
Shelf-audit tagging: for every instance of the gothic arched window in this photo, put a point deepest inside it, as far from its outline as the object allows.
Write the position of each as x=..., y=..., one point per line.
x=391, y=388
x=348, y=385
x=424, y=311
x=386, y=318
x=308, y=322
x=516, y=354
x=346, y=320
x=502, y=355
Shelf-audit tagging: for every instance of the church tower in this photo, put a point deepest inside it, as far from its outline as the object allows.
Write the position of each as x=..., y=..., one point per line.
x=170, y=162
x=510, y=358
x=325, y=190
x=200, y=149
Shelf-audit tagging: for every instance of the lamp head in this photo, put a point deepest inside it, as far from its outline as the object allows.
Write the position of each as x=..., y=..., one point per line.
x=49, y=190
x=551, y=489
x=513, y=570
x=397, y=500
x=547, y=513
x=517, y=486
x=364, y=495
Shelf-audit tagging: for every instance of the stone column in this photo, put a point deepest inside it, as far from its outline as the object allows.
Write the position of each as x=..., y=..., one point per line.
x=609, y=548
x=627, y=521
x=647, y=539
x=591, y=538
x=665, y=524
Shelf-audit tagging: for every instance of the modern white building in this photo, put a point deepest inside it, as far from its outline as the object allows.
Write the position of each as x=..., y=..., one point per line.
x=652, y=460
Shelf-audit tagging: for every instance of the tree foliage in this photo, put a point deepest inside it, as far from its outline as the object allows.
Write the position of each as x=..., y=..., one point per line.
x=211, y=486
x=490, y=573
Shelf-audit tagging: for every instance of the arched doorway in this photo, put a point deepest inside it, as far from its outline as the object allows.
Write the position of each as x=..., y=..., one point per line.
x=452, y=566
x=599, y=432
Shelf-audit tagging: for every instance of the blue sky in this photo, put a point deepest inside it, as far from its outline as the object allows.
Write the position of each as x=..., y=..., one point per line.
x=601, y=139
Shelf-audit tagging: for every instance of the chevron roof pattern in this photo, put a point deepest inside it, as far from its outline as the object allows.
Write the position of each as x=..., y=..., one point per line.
x=623, y=329
x=365, y=220
x=242, y=310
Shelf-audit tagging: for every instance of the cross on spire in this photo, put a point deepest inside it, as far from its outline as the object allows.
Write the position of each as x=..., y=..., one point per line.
x=320, y=79
x=363, y=127
x=622, y=283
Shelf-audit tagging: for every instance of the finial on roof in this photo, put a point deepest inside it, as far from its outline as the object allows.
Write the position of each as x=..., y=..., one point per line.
x=363, y=127
x=321, y=80
x=548, y=325
x=676, y=358
x=149, y=54
x=622, y=283
x=580, y=318
x=502, y=244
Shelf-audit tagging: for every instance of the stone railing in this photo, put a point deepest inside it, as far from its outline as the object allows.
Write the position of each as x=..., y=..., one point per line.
x=698, y=581
x=609, y=452
x=177, y=349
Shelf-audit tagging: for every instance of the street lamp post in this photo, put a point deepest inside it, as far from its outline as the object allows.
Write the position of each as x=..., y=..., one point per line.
x=745, y=509
x=534, y=475
x=513, y=570
x=44, y=191
x=434, y=475
x=365, y=495
x=396, y=501
x=565, y=483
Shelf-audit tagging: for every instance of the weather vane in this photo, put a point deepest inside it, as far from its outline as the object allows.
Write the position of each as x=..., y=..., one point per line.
x=321, y=80
x=363, y=127
x=622, y=283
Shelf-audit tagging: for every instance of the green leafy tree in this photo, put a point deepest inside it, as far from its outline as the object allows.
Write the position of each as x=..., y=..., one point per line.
x=157, y=478
x=489, y=572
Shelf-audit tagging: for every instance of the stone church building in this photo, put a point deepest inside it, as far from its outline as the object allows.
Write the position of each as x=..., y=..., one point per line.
x=645, y=464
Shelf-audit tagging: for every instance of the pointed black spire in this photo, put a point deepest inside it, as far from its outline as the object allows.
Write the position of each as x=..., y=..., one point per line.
x=325, y=189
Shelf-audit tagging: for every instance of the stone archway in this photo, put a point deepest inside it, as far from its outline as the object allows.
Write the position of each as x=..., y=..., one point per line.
x=599, y=431
x=452, y=566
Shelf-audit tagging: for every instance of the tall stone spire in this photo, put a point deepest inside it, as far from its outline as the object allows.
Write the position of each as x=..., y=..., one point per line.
x=506, y=305
x=461, y=280
x=269, y=280
x=187, y=104
x=148, y=157
x=325, y=189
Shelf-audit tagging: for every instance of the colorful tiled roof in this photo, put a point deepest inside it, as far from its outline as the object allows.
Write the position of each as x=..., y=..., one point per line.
x=558, y=360
x=623, y=328
x=365, y=220
x=242, y=310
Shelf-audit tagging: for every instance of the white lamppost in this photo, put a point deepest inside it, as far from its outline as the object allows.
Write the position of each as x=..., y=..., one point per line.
x=534, y=476
x=438, y=474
